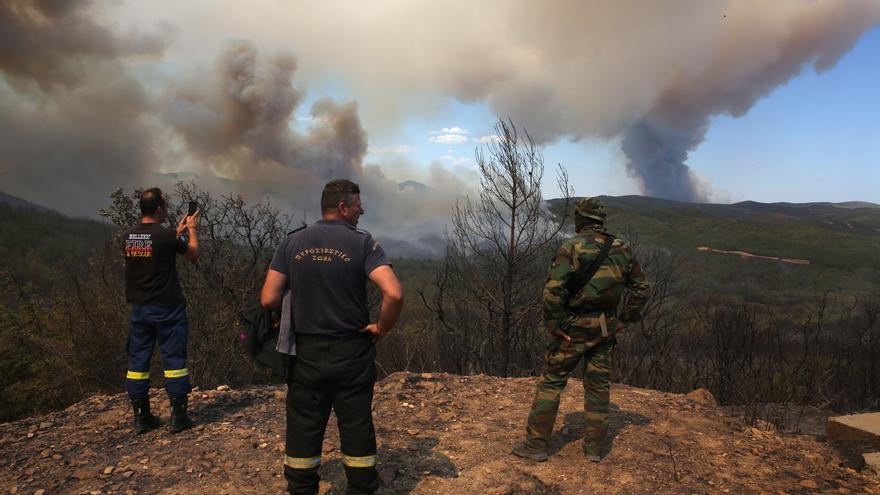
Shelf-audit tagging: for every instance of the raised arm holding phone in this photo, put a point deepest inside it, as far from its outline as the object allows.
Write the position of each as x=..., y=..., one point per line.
x=158, y=309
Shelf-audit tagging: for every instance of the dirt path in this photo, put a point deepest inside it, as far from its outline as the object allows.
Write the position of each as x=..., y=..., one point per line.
x=438, y=434
x=745, y=254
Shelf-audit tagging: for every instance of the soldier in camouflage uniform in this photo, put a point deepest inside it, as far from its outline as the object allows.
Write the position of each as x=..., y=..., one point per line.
x=582, y=325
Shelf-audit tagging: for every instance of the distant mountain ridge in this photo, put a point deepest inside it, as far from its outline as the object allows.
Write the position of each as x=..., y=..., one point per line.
x=17, y=202
x=648, y=202
x=851, y=215
x=414, y=185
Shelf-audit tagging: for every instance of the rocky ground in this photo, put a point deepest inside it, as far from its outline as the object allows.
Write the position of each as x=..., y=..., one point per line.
x=437, y=433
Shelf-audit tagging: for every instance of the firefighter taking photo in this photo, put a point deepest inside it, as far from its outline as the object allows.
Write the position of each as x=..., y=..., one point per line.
x=158, y=309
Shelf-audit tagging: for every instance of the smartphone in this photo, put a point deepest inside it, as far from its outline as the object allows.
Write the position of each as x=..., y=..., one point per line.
x=192, y=208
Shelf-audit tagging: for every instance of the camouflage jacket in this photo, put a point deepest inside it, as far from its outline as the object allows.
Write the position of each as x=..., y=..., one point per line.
x=620, y=273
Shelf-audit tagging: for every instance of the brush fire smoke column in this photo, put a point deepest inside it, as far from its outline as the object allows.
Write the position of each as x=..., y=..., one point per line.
x=657, y=159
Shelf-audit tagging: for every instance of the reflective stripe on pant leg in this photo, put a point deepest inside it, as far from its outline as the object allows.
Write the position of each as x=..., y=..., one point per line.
x=359, y=461
x=302, y=462
x=141, y=339
x=597, y=395
x=173, y=333
x=176, y=373
x=560, y=360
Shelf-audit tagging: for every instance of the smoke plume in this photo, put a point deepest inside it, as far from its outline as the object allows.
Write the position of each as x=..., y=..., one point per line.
x=236, y=121
x=754, y=55
x=87, y=105
x=73, y=119
x=651, y=73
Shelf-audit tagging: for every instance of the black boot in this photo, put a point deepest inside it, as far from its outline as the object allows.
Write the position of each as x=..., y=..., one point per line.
x=179, y=418
x=144, y=421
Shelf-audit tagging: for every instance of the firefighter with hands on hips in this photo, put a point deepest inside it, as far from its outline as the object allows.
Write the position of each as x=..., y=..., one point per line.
x=158, y=309
x=326, y=267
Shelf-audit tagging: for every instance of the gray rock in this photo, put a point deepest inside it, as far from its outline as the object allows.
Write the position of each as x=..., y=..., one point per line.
x=872, y=463
x=703, y=396
x=855, y=427
x=85, y=473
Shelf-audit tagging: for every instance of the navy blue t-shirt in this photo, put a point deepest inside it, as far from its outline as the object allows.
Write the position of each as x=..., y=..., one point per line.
x=327, y=266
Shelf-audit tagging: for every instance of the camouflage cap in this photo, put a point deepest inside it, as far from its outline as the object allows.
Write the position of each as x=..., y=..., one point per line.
x=591, y=208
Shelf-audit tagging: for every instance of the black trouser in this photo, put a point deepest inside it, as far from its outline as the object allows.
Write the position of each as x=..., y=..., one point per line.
x=338, y=374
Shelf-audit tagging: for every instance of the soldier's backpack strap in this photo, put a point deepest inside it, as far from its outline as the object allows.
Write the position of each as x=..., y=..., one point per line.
x=582, y=277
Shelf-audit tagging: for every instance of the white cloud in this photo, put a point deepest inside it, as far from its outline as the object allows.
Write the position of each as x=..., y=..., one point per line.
x=455, y=160
x=448, y=139
x=454, y=130
x=451, y=130
x=492, y=138
x=385, y=150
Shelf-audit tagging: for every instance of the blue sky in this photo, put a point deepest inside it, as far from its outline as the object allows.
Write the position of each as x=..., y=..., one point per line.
x=816, y=138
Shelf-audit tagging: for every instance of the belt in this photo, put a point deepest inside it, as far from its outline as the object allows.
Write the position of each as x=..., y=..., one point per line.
x=593, y=312
x=601, y=315
x=332, y=338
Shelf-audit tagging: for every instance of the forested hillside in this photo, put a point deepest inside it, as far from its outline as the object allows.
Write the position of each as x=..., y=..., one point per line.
x=840, y=241
x=37, y=242
x=758, y=333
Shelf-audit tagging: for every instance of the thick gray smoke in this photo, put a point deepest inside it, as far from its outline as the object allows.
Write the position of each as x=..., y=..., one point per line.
x=78, y=123
x=657, y=155
x=651, y=72
x=85, y=108
x=73, y=119
x=57, y=43
x=236, y=122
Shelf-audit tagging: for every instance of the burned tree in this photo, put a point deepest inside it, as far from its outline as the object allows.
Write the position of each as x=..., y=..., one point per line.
x=489, y=294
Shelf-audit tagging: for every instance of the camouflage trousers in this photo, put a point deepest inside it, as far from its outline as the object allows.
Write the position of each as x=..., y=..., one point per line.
x=562, y=358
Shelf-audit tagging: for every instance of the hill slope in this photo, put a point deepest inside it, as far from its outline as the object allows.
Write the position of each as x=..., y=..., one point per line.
x=437, y=434
x=35, y=240
x=840, y=242
x=834, y=235
x=16, y=202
